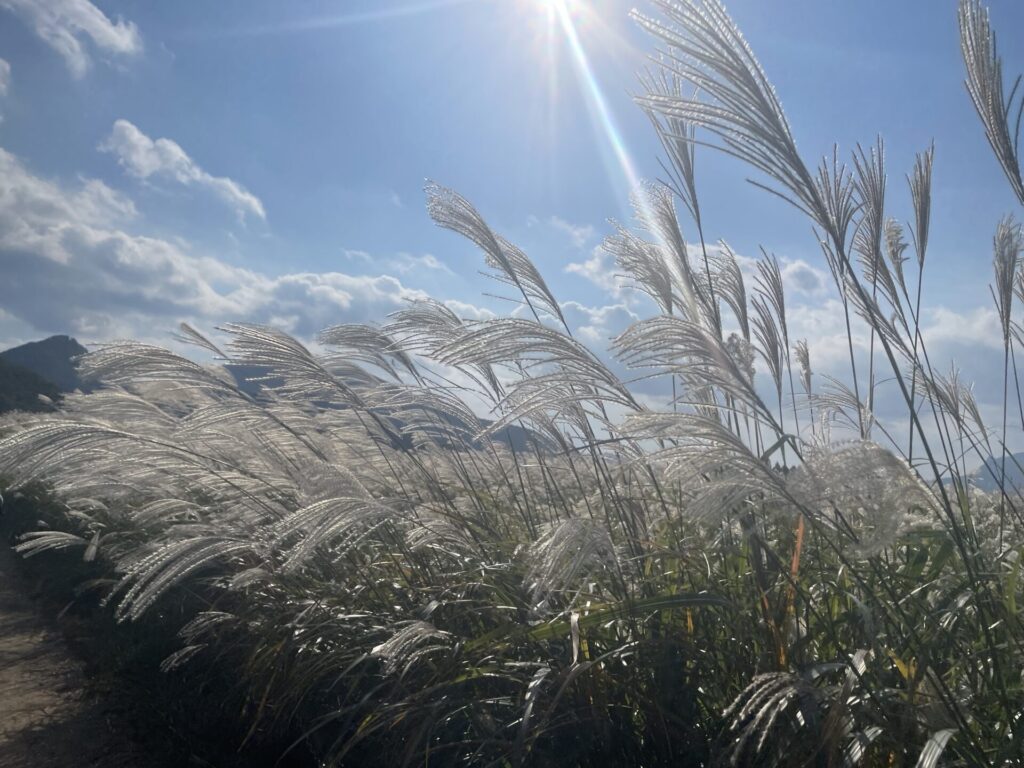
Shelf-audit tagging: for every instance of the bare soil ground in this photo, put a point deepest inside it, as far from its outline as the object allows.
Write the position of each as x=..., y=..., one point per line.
x=48, y=717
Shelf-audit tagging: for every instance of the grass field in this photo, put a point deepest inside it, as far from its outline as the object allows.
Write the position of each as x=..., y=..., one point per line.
x=755, y=572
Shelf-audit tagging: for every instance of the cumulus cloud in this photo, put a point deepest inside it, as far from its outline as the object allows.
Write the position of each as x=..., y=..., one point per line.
x=598, y=325
x=68, y=264
x=599, y=269
x=143, y=158
x=65, y=25
x=800, y=277
x=39, y=217
x=979, y=326
x=468, y=311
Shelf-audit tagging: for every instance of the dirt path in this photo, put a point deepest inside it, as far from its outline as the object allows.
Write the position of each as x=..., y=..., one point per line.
x=47, y=719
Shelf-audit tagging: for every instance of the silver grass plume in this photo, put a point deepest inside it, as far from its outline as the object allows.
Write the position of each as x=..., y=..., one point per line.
x=730, y=285
x=839, y=402
x=755, y=712
x=803, y=358
x=957, y=400
x=658, y=216
x=920, y=182
x=405, y=648
x=340, y=523
x=770, y=327
x=837, y=193
x=742, y=353
x=125, y=362
x=644, y=262
x=427, y=325
x=511, y=266
x=867, y=493
x=1000, y=115
x=151, y=576
x=717, y=471
x=302, y=376
x=705, y=48
x=689, y=349
x=734, y=101
x=368, y=344
x=551, y=361
x=768, y=285
x=563, y=556
x=677, y=138
x=1007, y=244
x=869, y=183
x=188, y=335
x=895, y=246
x=769, y=341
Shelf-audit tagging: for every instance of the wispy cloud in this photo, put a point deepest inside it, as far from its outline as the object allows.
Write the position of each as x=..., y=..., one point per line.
x=144, y=157
x=407, y=263
x=64, y=25
x=579, y=234
x=5, y=77
x=402, y=264
x=353, y=254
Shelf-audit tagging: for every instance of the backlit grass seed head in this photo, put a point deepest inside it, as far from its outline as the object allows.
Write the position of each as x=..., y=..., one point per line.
x=1006, y=246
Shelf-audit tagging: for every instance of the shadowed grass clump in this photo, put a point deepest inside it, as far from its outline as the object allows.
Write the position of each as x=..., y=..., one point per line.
x=732, y=578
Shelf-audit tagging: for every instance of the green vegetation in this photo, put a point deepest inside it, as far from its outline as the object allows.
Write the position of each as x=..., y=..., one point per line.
x=719, y=581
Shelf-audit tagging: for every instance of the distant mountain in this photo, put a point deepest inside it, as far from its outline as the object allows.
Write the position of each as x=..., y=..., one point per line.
x=20, y=389
x=52, y=359
x=252, y=379
x=986, y=477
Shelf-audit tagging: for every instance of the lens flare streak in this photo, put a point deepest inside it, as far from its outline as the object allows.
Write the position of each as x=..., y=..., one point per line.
x=596, y=101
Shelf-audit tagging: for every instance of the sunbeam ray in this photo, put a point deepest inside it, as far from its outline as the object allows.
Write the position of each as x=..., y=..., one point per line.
x=352, y=19
x=596, y=101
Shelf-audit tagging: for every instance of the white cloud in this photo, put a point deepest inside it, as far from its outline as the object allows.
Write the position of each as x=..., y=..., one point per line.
x=5, y=77
x=600, y=269
x=979, y=327
x=468, y=311
x=144, y=157
x=403, y=263
x=356, y=255
x=39, y=217
x=67, y=265
x=800, y=277
x=578, y=234
x=407, y=262
x=598, y=325
x=65, y=24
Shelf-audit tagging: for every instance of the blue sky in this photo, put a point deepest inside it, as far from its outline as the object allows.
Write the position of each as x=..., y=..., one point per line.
x=258, y=160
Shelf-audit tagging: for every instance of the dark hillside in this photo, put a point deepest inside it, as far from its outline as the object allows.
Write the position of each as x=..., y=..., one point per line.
x=52, y=359
x=20, y=389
